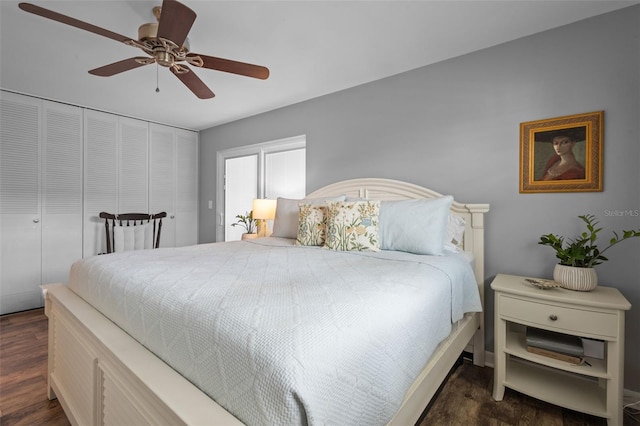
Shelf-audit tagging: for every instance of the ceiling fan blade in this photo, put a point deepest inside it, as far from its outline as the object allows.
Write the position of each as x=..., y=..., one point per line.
x=235, y=67
x=50, y=14
x=175, y=23
x=120, y=66
x=193, y=82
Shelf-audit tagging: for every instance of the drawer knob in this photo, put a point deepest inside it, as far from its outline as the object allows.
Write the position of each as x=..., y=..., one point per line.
x=553, y=317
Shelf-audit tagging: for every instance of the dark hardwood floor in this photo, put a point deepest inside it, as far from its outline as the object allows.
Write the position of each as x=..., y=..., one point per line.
x=23, y=372
x=465, y=399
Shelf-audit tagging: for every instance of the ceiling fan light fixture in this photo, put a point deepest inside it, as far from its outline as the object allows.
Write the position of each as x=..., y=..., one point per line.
x=163, y=58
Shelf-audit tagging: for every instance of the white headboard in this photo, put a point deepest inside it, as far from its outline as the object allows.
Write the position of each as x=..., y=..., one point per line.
x=388, y=189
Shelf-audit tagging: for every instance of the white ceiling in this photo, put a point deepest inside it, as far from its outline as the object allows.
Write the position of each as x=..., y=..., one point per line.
x=312, y=48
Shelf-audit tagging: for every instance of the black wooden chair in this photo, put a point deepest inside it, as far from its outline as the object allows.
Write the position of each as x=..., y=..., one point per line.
x=131, y=220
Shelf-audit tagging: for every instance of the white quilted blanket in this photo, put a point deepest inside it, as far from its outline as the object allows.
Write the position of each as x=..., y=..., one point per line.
x=285, y=335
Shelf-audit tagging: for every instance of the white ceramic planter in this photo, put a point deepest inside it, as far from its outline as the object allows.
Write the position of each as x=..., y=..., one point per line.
x=572, y=278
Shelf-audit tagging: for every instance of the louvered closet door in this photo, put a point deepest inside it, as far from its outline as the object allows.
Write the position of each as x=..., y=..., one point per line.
x=100, y=177
x=133, y=166
x=186, y=188
x=20, y=208
x=61, y=190
x=162, y=179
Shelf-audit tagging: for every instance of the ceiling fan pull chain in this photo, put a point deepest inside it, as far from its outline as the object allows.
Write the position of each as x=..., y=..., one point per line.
x=157, y=84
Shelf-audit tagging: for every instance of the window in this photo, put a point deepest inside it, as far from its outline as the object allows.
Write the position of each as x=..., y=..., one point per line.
x=267, y=170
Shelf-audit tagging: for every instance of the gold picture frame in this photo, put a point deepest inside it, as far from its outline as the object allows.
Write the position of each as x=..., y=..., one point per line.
x=562, y=154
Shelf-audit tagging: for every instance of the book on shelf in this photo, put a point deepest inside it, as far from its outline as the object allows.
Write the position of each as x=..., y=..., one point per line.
x=555, y=355
x=555, y=342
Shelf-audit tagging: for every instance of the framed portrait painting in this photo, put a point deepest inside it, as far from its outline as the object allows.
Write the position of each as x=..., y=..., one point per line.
x=562, y=154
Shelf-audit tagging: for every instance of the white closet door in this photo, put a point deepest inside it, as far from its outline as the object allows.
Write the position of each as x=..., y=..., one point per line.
x=100, y=177
x=61, y=190
x=133, y=156
x=162, y=179
x=186, y=188
x=20, y=207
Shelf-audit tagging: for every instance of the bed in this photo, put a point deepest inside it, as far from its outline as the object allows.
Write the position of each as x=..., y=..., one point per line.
x=111, y=363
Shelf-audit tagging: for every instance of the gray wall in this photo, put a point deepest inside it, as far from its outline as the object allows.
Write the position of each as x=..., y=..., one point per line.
x=454, y=127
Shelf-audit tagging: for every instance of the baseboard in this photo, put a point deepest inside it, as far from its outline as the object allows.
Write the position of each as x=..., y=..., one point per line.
x=628, y=394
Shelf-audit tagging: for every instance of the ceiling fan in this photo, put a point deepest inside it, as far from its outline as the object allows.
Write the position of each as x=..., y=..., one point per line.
x=165, y=42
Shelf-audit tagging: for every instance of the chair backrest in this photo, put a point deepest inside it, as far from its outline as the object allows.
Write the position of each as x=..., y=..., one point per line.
x=131, y=220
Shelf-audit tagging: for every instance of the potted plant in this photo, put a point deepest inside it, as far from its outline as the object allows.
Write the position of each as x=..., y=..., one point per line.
x=579, y=256
x=248, y=223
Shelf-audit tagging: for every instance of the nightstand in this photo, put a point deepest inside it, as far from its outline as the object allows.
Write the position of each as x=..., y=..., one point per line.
x=594, y=388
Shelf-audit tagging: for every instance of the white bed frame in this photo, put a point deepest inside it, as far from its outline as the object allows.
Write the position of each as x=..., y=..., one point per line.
x=101, y=375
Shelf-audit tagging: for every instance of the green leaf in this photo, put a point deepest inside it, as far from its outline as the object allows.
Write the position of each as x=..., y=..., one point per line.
x=583, y=251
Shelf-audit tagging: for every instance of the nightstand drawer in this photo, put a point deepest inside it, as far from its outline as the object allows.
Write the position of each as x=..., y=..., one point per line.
x=575, y=321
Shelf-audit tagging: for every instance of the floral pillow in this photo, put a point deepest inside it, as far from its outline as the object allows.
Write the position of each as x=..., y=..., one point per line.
x=352, y=225
x=312, y=225
x=285, y=224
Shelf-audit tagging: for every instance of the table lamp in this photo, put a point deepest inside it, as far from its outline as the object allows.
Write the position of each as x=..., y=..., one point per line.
x=264, y=210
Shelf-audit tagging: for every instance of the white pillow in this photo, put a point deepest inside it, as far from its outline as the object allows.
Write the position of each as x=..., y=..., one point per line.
x=285, y=223
x=415, y=226
x=455, y=229
x=136, y=237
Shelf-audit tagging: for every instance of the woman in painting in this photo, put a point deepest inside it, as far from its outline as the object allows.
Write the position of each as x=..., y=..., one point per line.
x=563, y=165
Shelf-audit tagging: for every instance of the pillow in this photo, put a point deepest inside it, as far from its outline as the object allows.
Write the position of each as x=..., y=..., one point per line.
x=352, y=225
x=415, y=226
x=312, y=225
x=285, y=223
x=455, y=229
x=136, y=237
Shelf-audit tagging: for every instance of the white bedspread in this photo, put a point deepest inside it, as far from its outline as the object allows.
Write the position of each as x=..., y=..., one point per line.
x=285, y=335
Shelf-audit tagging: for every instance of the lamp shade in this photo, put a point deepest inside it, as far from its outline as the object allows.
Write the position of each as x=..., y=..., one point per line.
x=264, y=209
